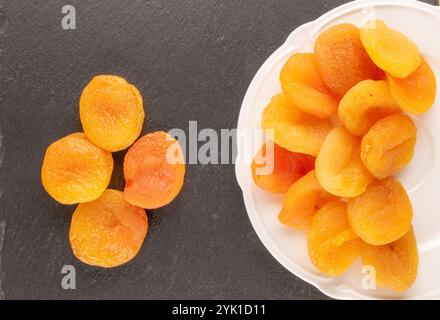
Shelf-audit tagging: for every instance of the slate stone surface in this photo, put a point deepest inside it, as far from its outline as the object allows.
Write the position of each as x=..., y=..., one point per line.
x=192, y=60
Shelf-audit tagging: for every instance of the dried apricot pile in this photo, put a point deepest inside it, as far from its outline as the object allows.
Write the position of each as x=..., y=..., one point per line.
x=108, y=227
x=345, y=104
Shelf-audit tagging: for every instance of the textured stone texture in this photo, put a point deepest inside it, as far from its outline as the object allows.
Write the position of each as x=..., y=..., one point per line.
x=192, y=60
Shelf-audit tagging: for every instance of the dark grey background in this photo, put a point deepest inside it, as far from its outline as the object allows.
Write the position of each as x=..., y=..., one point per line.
x=191, y=60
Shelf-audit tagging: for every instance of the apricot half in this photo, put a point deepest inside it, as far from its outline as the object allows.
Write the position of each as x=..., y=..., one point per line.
x=395, y=264
x=390, y=49
x=74, y=170
x=382, y=214
x=111, y=112
x=294, y=129
x=342, y=59
x=332, y=245
x=416, y=93
x=275, y=169
x=302, y=201
x=389, y=145
x=107, y=232
x=303, y=85
x=338, y=166
x=154, y=170
x=364, y=104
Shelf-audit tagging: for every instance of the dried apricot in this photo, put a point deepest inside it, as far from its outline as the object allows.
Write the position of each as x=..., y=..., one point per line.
x=395, y=264
x=154, y=170
x=389, y=145
x=342, y=59
x=302, y=201
x=382, y=214
x=111, y=112
x=303, y=85
x=332, y=245
x=293, y=129
x=75, y=170
x=107, y=232
x=417, y=92
x=338, y=166
x=275, y=169
x=364, y=104
x=390, y=49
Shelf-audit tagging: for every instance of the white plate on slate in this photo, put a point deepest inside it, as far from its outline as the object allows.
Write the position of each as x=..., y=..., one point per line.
x=419, y=21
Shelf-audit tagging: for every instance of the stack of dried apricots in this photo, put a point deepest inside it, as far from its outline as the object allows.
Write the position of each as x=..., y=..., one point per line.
x=109, y=227
x=341, y=134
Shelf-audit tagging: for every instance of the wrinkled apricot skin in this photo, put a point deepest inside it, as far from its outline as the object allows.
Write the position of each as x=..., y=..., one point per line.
x=389, y=145
x=74, y=170
x=416, y=93
x=294, y=129
x=303, y=85
x=342, y=59
x=107, y=232
x=338, y=166
x=390, y=49
x=111, y=112
x=332, y=245
x=382, y=214
x=302, y=201
x=364, y=104
x=395, y=264
x=154, y=170
x=275, y=169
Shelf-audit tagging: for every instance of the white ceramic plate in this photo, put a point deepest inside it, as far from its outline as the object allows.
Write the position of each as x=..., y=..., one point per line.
x=419, y=21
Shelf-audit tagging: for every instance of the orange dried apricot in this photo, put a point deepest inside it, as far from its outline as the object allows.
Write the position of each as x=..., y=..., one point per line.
x=332, y=245
x=417, y=92
x=154, y=170
x=107, y=232
x=395, y=264
x=74, y=170
x=364, y=104
x=338, y=166
x=293, y=129
x=302, y=201
x=389, y=145
x=275, y=169
x=111, y=112
x=342, y=59
x=382, y=214
x=303, y=85
x=390, y=49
